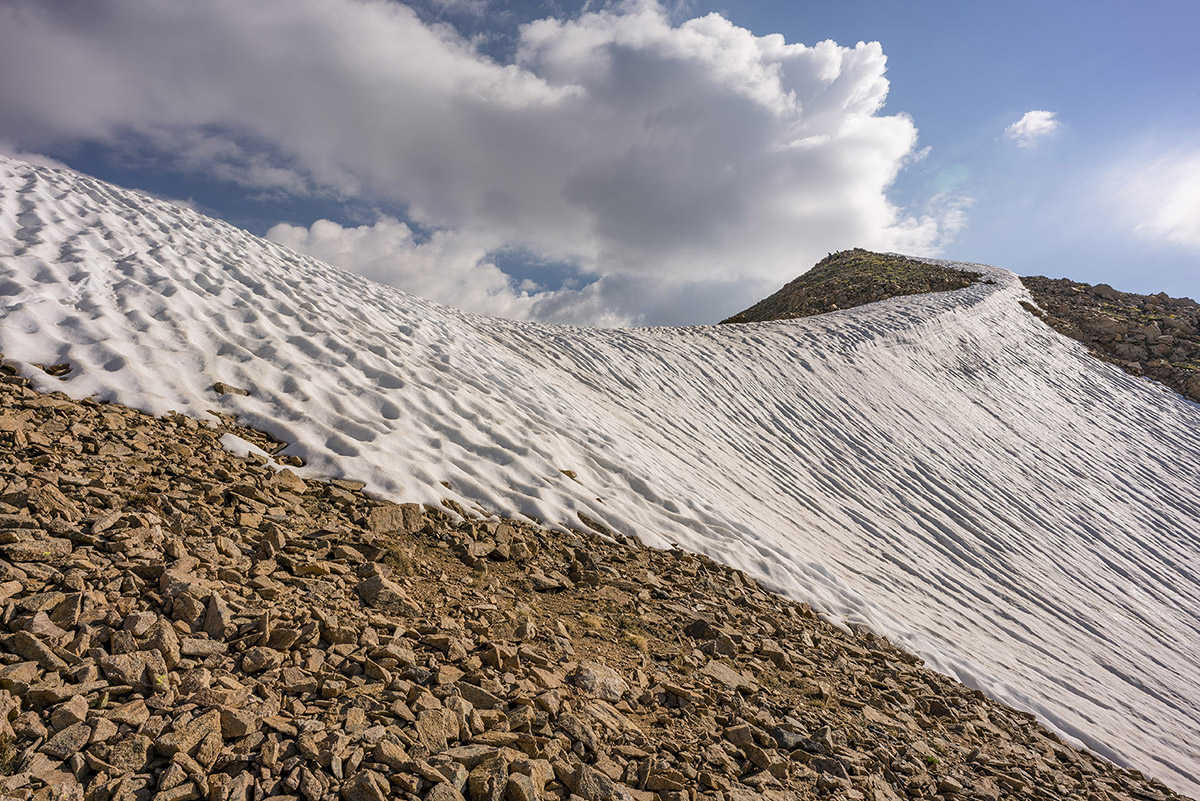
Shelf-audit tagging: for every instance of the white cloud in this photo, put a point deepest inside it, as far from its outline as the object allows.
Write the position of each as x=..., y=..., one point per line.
x=654, y=156
x=1159, y=197
x=12, y=151
x=448, y=267
x=1032, y=127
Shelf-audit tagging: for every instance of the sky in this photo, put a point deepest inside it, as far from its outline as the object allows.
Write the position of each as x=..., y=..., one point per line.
x=635, y=163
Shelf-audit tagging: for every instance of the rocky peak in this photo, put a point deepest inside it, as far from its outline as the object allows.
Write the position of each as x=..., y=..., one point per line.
x=852, y=278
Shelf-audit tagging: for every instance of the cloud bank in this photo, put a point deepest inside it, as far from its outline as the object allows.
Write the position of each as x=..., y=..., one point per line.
x=1033, y=127
x=679, y=170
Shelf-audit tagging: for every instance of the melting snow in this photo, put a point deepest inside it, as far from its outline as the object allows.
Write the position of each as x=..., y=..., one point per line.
x=943, y=468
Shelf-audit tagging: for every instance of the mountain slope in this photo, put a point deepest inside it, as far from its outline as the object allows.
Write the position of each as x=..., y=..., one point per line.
x=274, y=622
x=942, y=467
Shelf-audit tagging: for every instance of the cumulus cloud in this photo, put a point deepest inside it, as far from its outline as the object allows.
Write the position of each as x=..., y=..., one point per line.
x=450, y=267
x=1159, y=197
x=650, y=155
x=1032, y=128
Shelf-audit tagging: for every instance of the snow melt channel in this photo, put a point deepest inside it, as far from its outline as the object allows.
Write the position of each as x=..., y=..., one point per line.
x=943, y=468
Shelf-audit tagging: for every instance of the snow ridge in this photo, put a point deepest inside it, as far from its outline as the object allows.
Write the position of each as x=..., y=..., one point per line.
x=943, y=468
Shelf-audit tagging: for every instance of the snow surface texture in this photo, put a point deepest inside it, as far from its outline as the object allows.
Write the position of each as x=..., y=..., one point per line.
x=943, y=468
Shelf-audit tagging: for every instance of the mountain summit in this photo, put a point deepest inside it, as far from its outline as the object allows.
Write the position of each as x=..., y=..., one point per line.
x=852, y=278
x=942, y=468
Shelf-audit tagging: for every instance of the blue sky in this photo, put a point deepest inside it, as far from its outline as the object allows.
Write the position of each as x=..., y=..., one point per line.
x=635, y=163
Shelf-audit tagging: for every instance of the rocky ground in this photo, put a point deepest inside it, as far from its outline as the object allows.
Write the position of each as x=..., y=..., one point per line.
x=852, y=278
x=182, y=623
x=1146, y=335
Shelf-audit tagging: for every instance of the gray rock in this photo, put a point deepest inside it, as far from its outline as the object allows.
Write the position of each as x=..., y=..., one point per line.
x=600, y=680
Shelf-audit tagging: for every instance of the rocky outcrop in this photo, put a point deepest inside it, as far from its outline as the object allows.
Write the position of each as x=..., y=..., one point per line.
x=178, y=623
x=852, y=278
x=1156, y=336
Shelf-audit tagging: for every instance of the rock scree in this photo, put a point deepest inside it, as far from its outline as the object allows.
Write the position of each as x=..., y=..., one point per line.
x=1155, y=336
x=178, y=622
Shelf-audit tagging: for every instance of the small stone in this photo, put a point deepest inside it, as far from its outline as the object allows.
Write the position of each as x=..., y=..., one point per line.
x=405, y=518
x=183, y=738
x=728, y=676
x=68, y=741
x=161, y=637
x=239, y=722
x=48, y=549
x=600, y=680
x=49, y=500
x=221, y=388
x=444, y=791
x=470, y=756
x=218, y=620
x=520, y=788
x=200, y=647
x=32, y=648
x=378, y=592
x=488, y=780
x=366, y=785
x=17, y=678
x=479, y=697
x=435, y=728
x=139, y=623
x=73, y=711
x=578, y=731
x=124, y=669
x=260, y=658
x=590, y=784
x=700, y=629
x=29, y=725
x=389, y=753
x=103, y=730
